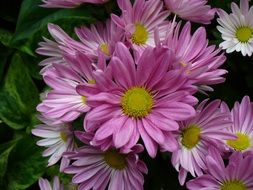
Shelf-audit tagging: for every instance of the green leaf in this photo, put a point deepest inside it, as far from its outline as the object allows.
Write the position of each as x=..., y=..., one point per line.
x=4, y=56
x=5, y=37
x=20, y=84
x=33, y=20
x=19, y=96
x=11, y=112
x=26, y=165
x=5, y=150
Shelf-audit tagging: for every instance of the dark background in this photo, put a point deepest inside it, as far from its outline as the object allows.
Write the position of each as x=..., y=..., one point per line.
x=22, y=25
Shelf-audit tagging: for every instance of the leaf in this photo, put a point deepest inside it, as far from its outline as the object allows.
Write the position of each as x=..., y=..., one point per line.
x=4, y=56
x=26, y=165
x=5, y=37
x=11, y=112
x=32, y=66
x=19, y=96
x=5, y=150
x=33, y=20
x=6, y=133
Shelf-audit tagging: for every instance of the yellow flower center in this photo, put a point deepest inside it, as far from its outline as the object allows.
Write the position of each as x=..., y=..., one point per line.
x=233, y=185
x=190, y=136
x=64, y=136
x=137, y=102
x=115, y=160
x=244, y=34
x=105, y=48
x=140, y=35
x=241, y=143
x=84, y=99
x=91, y=81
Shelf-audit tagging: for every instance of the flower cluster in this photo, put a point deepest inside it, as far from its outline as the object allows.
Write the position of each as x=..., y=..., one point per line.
x=133, y=80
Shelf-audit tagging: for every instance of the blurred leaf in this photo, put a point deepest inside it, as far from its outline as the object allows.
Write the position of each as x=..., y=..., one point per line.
x=33, y=20
x=26, y=165
x=5, y=37
x=4, y=55
x=19, y=96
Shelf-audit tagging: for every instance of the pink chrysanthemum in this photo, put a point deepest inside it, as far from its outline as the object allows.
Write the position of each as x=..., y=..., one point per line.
x=192, y=10
x=97, y=169
x=242, y=117
x=237, y=175
x=139, y=98
x=57, y=139
x=140, y=21
x=197, y=134
x=55, y=49
x=99, y=37
x=69, y=3
x=63, y=103
x=200, y=61
x=45, y=184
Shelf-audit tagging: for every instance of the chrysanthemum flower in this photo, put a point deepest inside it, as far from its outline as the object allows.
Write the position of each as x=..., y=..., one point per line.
x=192, y=10
x=55, y=49
x=200, y=61
x=99, y=37
x=145, y=100
x=96, y=169
x=69, y=3
x=197, y=134
x=242, y=117
x=63, y=103
x=57, y=139
x=237, y=28
x=140, y=20
x=237, y=175
x=45, y=184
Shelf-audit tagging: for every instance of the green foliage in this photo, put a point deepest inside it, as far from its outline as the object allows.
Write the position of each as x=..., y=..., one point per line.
x=19, y=95
x=5, y=150
x=26, y=165
x=5, y=37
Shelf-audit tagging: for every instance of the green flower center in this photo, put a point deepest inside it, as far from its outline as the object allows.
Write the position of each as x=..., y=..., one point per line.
x=244, y=34
x=105, y=48
x=233, y=185
x=140, y=35
x=191, y=136
x=241, y=143
x=137, y=102
x=115, y=160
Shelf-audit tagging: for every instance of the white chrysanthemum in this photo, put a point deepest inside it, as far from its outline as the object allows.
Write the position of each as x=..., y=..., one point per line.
x=237, y=28
x=57, y=139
